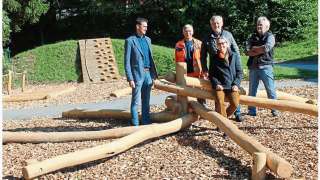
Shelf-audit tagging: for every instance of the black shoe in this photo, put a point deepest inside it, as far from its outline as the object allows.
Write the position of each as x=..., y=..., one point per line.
x=239, y=118
x=225, y=136
x=274, y=113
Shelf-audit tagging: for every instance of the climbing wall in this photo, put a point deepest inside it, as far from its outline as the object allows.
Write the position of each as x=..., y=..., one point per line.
x=97, y=60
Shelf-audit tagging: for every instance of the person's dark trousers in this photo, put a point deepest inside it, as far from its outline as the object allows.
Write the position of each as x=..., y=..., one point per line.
x=232, y=96
x=143, y=90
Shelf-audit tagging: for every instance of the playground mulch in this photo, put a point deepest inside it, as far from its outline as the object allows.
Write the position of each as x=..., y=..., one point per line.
x=200, y=152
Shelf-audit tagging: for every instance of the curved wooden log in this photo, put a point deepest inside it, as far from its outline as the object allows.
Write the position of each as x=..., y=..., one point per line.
x=275, y=163
x=106, y=150
x=181, y=69
x=40, y=137
x=259, y=166
x=163, y=116
x=206, y=85
x=121, y=92
x=282, y=105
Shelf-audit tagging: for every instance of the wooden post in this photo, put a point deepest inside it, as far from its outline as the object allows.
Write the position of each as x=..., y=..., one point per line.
x=181, y=69
x=282, y=105
x=259, y=166
x=275, y=163
x=9, y=85
x=23, y=81
x=106, y=150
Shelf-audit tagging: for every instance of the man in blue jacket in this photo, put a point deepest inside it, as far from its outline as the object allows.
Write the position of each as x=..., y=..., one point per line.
x=140, y=70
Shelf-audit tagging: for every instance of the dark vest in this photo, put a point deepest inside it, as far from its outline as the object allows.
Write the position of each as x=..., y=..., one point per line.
x=262, y=59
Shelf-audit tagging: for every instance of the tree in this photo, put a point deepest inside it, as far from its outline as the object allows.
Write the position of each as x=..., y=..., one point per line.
x=17, y=13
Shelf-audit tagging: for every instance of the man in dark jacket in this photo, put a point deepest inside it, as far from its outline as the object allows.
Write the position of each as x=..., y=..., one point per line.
x=225, y=75
x=140, y=70
x=259, y=48
x=209, y=47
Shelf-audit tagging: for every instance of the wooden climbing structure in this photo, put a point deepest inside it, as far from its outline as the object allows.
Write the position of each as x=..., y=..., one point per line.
x=97, y=60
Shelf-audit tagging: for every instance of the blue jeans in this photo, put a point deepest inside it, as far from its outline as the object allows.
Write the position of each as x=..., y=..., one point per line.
x=143, y=90
x=266, y=75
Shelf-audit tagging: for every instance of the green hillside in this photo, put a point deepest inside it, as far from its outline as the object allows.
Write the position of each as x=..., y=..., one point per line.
x=60, y=62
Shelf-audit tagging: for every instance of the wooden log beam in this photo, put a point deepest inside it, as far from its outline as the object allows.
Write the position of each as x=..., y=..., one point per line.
x=283, y=96
x=163, y=116
x=206, y=85
x=121, y=92
x=37, y=95
x=181, y=69
x=24, y=97
x=275, y=163
x=41, y=137
x=282, y=105
x=259, y=166
x=106, y=150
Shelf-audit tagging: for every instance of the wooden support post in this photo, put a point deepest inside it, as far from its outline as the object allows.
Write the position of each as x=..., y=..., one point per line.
x=181, y=69
x=259, y=166
x=9, y=85
x=282, y=105
x=106, y=150
x=23, y=81
x=275, y=163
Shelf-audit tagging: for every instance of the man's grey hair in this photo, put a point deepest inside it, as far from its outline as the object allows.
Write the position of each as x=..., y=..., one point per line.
x=216, y=17
x=264, y=20
x=187, y=26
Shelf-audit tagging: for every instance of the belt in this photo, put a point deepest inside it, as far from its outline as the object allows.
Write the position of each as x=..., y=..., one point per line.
x=146, y=69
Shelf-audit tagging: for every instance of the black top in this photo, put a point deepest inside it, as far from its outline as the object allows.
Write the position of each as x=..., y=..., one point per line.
x=225, y=72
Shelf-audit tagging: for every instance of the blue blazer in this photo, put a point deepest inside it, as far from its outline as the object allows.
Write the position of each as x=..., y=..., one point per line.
x=133, y=60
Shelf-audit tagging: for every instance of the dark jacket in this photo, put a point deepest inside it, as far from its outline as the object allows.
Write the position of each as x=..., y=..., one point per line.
x=133, y=60
x=268, y=41
x=209, y=46
x=226, y=74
